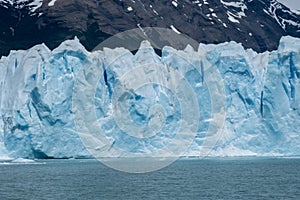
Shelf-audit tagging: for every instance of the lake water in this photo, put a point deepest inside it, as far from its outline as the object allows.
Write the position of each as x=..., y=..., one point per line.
x=252, y=178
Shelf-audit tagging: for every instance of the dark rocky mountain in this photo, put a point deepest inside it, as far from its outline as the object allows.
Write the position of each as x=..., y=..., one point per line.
x=257, y=24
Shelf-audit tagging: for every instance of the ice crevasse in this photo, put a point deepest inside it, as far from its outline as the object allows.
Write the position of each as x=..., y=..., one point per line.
x=261, y=99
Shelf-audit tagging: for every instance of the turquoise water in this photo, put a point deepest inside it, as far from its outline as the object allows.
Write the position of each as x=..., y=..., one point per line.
x=265, y=178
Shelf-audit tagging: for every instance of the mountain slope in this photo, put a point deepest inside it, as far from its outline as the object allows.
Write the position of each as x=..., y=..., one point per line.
x=257, y=24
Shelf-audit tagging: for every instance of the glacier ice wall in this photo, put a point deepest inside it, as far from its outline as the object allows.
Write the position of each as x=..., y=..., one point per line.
x=262, y=101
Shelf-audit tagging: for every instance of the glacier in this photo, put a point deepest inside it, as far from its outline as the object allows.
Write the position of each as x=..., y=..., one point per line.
x=261, y=100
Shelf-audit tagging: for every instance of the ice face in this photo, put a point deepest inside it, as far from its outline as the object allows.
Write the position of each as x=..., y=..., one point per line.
x=36, y=104
x=262, y=99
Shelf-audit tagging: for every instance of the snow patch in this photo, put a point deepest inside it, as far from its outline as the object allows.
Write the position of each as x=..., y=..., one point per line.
x=175, y=3
x=52, y=2
x=214, y=15
x=35, y=5
x=232, y=19
x=175, y=30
